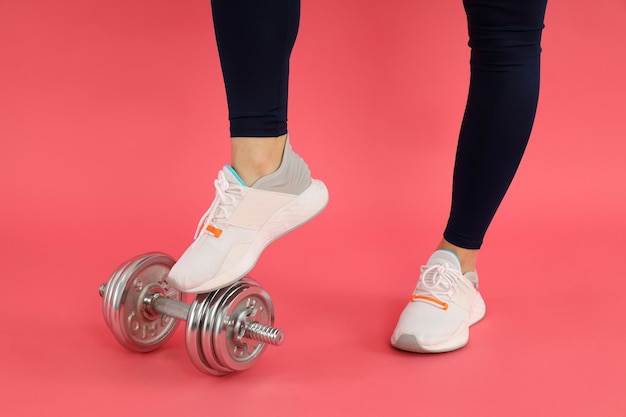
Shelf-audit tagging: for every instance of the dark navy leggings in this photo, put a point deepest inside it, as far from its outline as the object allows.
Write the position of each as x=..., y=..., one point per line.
x=255, y=39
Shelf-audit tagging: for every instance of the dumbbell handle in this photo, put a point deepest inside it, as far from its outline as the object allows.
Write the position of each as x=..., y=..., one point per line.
x=167, y=306
x=156, y=303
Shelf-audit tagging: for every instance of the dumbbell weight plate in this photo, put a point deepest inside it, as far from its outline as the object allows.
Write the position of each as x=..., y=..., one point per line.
x=123, y=307
x=208, y=327
x=245, y=301
x=196, y=321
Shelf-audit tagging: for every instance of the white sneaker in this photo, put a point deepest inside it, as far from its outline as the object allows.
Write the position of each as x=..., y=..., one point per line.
x=242, y=221
x=444, y=305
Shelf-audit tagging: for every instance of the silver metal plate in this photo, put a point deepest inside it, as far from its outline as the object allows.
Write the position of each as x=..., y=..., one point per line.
x=245, y=301
x=208, y=328
x=123, y=307
x=196, y=321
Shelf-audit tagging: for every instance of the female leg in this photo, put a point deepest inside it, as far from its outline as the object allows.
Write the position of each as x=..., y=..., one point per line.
x=267, y=190
x=505, y=41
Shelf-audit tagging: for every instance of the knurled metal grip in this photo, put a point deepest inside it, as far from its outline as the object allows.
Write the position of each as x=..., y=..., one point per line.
x=227, y=330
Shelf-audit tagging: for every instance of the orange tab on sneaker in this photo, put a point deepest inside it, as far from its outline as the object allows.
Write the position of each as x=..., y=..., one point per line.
x=440, y=304
x=213, y=230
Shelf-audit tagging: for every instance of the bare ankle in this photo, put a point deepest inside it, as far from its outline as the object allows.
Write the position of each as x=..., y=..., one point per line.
x=253, y=158
x=467, y=257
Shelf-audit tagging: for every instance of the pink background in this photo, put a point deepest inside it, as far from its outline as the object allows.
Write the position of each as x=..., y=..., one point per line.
x=113, y=125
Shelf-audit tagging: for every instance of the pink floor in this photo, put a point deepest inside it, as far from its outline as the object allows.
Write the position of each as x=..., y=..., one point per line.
x=113, y=125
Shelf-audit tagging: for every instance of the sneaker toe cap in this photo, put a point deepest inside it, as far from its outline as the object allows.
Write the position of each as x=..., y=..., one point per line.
x=425, y=328
x=204, y=266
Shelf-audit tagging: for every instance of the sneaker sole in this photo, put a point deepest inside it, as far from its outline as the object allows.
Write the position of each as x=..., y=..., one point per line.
x=409, y=342
x=300, y=211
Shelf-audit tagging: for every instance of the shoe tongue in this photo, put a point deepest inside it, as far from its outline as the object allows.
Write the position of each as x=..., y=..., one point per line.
x=444, y=257
x=232, y=176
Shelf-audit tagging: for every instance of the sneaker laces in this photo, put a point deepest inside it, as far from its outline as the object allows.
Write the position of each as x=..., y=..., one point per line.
x=437, y=281
x=227, y=196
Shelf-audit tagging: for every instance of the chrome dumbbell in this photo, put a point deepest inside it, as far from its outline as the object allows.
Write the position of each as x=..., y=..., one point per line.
x=227, y=330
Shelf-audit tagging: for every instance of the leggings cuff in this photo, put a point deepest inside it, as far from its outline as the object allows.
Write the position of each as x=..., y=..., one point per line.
x=461, y=241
